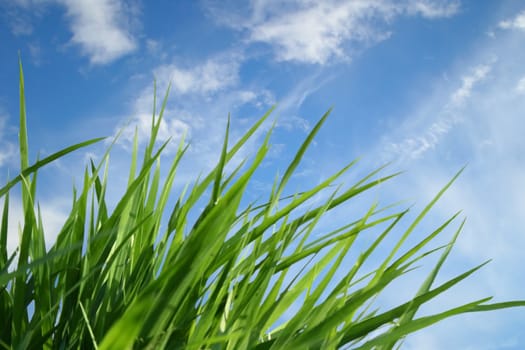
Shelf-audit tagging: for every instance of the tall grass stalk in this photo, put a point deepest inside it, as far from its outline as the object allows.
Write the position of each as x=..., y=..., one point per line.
x=145, y=276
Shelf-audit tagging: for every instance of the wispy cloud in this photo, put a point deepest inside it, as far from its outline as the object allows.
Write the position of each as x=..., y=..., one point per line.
x=289, y=105
x=17, y=16
x=432, y=9
x=468, y=82
x=415, y=145
x=317, y=31
x=196, y=82
x=305, y=87
x=201, y=97
x=35, y=50
x=212, y=75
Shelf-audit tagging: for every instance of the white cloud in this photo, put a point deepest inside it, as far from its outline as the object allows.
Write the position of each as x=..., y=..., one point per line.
x=213, y=75
x=318, y=31
x=311, y=35
x=520, y=87
x=99, y=27
x=201, y=97
x=433, y=9
x=517, y=22
x=197, y=84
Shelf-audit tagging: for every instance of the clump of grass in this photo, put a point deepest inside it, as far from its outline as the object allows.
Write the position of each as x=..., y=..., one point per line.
x=142, y=276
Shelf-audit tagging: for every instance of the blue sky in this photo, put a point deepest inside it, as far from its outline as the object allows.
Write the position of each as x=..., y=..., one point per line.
x=430, y=85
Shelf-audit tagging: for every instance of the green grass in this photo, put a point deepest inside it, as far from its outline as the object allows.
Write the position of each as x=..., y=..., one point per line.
x=145, y=276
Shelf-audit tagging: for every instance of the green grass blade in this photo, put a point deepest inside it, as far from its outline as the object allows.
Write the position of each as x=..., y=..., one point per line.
x=22, y=136
x=3, y=234
x=299, y=155
x=220, y=167
x=427, y=284
x=39, y=164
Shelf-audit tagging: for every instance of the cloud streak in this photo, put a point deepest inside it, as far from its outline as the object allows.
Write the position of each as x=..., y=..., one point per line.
x=414, y=146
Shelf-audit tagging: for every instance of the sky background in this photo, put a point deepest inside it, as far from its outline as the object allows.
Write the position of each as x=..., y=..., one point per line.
x=429, y=85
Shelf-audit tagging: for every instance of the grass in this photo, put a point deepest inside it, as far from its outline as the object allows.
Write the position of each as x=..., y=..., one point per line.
x=144, y=276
